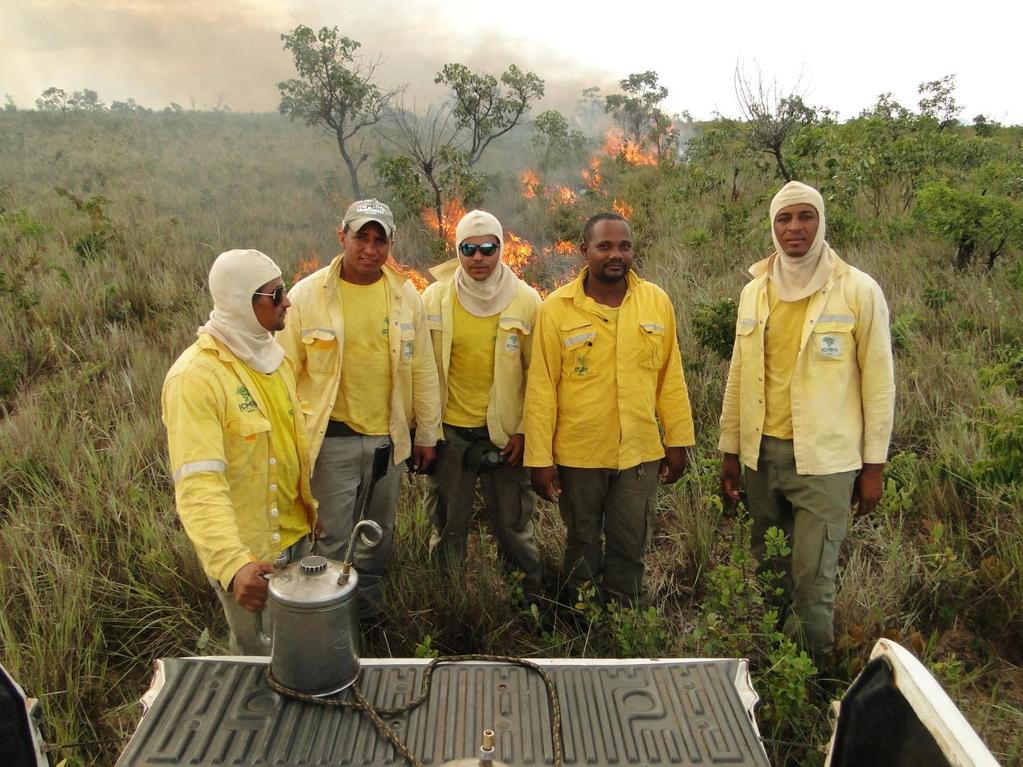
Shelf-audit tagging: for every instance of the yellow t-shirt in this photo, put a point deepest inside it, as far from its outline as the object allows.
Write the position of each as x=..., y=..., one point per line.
x=290, y=511
x=364, y=396
x=471, y=369
x=781, y=347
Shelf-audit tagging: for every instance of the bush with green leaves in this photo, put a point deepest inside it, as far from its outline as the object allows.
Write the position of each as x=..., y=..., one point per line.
x=714, y=325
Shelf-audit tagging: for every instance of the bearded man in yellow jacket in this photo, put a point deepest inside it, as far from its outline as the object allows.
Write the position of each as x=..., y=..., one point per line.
x=237, y=443
x=809, y=405
x=606, y=367
x=481, y=319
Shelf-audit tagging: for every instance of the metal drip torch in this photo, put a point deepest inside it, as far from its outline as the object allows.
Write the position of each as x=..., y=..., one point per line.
x=315, y=615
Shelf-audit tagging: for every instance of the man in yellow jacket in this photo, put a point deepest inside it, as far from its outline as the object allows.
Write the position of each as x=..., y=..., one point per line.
x=361, y=346
x=481, y=318
x=809, y=405
x=605, y=368
x=237, y=444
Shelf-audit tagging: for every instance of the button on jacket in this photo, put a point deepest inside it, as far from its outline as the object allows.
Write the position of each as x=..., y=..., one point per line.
x=843, y=383
x=314, y=336
x=512, y=351
x=225, y=475
x=642, y=370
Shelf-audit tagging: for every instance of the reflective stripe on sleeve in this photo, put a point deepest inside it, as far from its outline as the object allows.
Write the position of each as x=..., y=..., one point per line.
x=197, y=466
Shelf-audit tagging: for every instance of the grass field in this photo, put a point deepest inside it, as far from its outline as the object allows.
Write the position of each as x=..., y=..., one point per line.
x=108, y=226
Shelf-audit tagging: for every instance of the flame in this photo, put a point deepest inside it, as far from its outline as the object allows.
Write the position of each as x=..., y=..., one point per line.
x=451, y=213
x=417, y=278
x=616, y=145
x=530, y=183
x=306, y=266
x=564, y=195
x=622, y=208
x=592, y=177
x=564, y=248
x=517, y=253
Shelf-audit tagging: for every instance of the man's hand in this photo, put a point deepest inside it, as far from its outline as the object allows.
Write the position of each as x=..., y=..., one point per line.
x=250, y=587
x=672, y=465
x=422, y=458
x=512, y=452
x=545, y=482
x=318, y=529
x=867, y=489
x=730, y=474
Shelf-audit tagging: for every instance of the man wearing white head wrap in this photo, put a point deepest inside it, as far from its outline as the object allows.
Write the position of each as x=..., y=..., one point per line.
x=481, y=319
x=237, y=444
x=809, y=405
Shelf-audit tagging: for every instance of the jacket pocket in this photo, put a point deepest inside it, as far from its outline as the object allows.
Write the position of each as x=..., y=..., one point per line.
x=407, y=344
x=577, y=339
x=511, y=333
x=832, y=340
x=321, y=350
x=651, y=354
x=745, y=338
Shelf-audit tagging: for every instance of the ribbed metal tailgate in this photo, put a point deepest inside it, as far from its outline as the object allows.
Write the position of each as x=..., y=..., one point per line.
x=205, y=711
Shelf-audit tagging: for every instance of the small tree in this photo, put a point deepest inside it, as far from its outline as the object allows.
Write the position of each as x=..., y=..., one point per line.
x=937, y=101
x=335, y=89
x=484, y=109
x=86, y=100
x=430, y=172
x=970, y=220
x=52, y=100
x=772, y=118
x=555, y=141
x=636, y=108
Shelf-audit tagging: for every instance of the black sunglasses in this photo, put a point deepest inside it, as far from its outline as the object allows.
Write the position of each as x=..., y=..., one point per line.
x=278, y=295
x=469, y=249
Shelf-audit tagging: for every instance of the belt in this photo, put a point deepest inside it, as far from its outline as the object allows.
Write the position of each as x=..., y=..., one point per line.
x=341, y=429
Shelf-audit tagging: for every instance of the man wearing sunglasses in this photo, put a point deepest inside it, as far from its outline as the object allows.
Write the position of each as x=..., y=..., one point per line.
x=481, y=319
x=359, y=339
x=237, y=444
x=606, y=367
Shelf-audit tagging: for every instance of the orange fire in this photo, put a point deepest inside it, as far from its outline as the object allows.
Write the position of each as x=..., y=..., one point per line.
x=306, y=266
x=616, y=145
x=451, y=213
x=418, y=279
x=564, y=248
x=517, y=253
x=622, y=208
x=530, y=183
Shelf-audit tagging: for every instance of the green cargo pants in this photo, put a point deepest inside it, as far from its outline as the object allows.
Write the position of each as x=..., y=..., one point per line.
x=609, y=514
x=506, y=495
x=813, y=512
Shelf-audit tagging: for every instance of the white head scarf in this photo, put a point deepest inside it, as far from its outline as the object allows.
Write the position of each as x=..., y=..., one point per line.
x=234, y=277
x=484, y=298
x=796, y=277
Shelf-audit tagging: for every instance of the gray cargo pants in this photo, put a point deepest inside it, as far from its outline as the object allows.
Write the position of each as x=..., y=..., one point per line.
x=506, y=494
x=813, y=512
x=341, y=479
x=609, y=514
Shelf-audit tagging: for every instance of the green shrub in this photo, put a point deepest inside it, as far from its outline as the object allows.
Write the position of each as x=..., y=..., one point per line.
x=714, y=325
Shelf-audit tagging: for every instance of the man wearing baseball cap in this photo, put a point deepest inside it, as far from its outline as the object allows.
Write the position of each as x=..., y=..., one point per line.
x=237, y=442
x=359, y=339
x=481, y=318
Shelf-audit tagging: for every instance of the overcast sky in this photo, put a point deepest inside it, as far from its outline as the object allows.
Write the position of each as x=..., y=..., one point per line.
x=842, y=56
